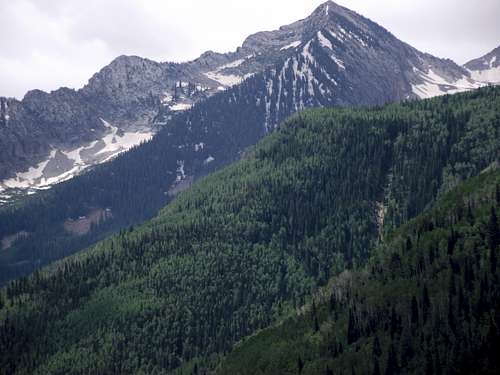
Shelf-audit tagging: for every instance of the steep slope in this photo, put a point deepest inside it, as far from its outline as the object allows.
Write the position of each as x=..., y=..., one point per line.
x=247, y=244
x=428, y=302
x=332, y=57
x=363, y=65
x=486, y=68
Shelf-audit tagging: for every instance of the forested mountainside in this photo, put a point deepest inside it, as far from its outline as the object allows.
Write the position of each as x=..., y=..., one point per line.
x=249, y=244
x=334, y=57
x=450, y=138
x=428, y=302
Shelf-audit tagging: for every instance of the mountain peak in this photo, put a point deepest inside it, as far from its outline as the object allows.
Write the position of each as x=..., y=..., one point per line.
x=327, y=7
x=326, y=10
x=486, y=68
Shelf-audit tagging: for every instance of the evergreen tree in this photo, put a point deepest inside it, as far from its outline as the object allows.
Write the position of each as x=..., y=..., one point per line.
x=300, y=365
x=426, y=304
x=392, y=362
x=414, y=312
x=493, y=239
x=376, y=367
x=352, y=329
x=376, y=348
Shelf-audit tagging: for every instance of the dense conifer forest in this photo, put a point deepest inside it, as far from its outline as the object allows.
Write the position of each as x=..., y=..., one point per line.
x=314, y=206
x=431, y=144
x=427, y=302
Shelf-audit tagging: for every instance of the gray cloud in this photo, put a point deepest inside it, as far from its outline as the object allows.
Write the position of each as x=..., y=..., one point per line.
x=47, y=43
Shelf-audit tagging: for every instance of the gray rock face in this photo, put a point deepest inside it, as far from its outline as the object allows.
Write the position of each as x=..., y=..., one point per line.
x=486, y=68
x=490, y=60
x=332, y=57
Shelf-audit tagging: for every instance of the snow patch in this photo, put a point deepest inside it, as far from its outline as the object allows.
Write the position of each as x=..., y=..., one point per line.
x=492, y=61
x=233, y=64
x=291, y=45
x=54, y=170
x=324, y=41
x=435, y=85
x=180, y=107
x=488, y=75
x=226, y=80
x=306, y=53
x=209, y=160
x=335, y=35
x=117, y=143
x=25, y=179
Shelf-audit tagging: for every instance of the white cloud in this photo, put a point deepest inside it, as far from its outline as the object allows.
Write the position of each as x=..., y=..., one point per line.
x=47, y=43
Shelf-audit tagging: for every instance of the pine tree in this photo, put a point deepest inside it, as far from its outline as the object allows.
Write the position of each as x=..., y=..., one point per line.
x=376, y=367
x=406, y=347
x=414, y=312
x=395, y=323
x=493, y=231
x=392, y=363
x=429, y=364
x=352, y=331
x=426, y=304
x=300, y=365
x=376, y=349
x=409, y=244
x=493, y=236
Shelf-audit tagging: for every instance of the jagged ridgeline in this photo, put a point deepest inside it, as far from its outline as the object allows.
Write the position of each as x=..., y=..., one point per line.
x=427, y=303
x=248, y=245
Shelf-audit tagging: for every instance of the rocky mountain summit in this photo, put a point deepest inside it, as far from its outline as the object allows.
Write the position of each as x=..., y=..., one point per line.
x=332, y=57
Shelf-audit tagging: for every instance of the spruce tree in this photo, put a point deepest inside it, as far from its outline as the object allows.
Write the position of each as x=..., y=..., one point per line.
x=376, y=349
x=376, y=367
x=493, y=231
x=300, y=365
x=352, y=330
x=392, y=362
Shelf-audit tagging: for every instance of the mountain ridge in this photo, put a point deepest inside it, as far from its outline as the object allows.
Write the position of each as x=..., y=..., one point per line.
x=487, y=67
x=138, y=96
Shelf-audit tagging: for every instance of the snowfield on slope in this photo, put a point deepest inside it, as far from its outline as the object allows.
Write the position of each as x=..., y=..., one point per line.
x=61, y=165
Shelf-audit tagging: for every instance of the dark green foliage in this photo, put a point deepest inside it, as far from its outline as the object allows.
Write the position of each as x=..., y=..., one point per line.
x=247, y=246
x=403, y=154
x=493, y=232
x=405, y=327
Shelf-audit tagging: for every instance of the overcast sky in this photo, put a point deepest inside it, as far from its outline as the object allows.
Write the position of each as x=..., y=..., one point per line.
x=46, y=44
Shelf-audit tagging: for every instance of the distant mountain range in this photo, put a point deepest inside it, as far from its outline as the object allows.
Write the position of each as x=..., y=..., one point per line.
x=334, y=57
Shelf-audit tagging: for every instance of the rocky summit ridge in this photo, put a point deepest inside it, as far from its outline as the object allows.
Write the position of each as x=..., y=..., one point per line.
x=333, y=57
